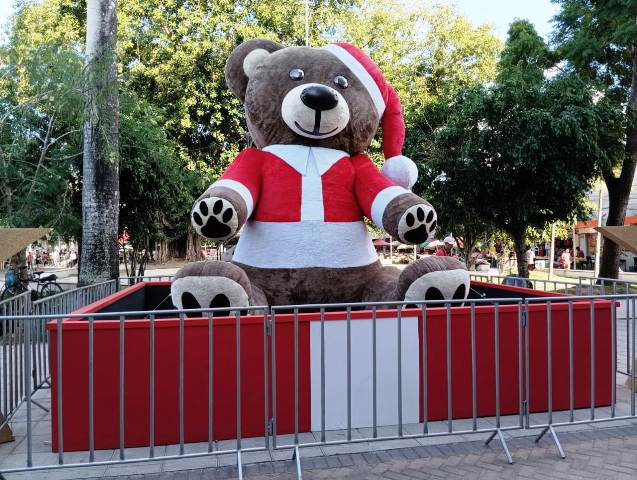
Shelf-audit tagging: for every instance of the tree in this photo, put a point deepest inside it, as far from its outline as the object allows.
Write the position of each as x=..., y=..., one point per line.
x=41, y=116
x=522, y=152
x=154, y=188
x=170, y=58
x=598, y=38
x=99, y=256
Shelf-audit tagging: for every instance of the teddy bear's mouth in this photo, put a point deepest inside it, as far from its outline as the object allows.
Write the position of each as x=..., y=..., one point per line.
x=316, y=131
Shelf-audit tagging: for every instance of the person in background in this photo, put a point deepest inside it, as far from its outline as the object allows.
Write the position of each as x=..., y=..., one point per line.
x=530, y=256
x=565, y=259
x=511, y=262
x=446, y=250
x=579, y=257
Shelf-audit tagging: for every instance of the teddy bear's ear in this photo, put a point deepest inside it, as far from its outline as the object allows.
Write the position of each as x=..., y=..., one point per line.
x=244, y=60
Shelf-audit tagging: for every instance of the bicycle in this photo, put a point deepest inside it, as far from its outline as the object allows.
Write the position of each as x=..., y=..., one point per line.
x=47, y=285
x=14, y=284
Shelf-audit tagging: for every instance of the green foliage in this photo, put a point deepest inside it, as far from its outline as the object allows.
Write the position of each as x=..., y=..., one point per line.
x=41, y=117
x=40, y=137
x=525, y=56
x=520, y=153
x=180, y=125
x=153, y=187
x=598, y=40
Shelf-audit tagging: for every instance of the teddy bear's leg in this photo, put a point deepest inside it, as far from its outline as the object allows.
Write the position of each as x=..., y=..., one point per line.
x=382, y=286
x=213, y=284
x=434, y=278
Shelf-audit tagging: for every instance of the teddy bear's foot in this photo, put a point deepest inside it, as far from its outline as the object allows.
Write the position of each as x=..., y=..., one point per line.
x=434, y=278
x=212, y=284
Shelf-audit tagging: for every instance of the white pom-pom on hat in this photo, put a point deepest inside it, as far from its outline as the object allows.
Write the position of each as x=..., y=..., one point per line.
x=401, y=170
x=397, y=168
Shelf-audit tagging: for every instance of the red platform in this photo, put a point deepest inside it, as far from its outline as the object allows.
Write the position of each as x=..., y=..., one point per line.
x=136, y=358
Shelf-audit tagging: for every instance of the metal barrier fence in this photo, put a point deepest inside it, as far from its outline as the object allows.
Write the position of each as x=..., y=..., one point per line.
x=128, y=281
x=24, y=365
x=12, y=362
x=558, y=286
x=602, y=285
x=293, y=377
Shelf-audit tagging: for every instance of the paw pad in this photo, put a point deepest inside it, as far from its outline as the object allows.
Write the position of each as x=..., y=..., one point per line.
x=214, y=218
x=417, y=224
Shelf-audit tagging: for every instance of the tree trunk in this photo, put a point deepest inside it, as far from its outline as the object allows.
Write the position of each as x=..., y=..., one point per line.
x=177, y=248
x=619, y=187
x=100, y=190
x=162, y=251
x=469, y=243
x=193, y=248
x=519, y=242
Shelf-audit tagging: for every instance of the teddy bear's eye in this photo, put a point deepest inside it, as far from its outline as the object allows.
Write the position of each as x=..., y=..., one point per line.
x=296, y=74
x=341, y=81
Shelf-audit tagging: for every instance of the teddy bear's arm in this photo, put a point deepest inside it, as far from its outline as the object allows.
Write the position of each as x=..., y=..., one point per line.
x=399, y=212
x=227, y=204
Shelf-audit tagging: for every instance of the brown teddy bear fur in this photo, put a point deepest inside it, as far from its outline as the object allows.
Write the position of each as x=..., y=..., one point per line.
x=262, y=96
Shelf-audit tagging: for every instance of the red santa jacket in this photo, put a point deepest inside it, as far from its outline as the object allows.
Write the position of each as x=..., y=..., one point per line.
x=306, y=206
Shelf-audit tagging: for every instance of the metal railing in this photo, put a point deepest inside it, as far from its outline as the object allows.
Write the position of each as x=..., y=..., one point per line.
x=586, y=286
x=302, y=376
x=24, y=365
x=543, y=285
x=12, y=353
x=128, y=281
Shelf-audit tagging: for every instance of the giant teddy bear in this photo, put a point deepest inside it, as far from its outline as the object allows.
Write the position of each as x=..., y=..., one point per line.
x=301, y=195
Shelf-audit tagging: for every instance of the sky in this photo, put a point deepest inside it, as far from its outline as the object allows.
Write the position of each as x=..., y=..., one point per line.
x=498, y=12
x=6, y=7
x=501, y=13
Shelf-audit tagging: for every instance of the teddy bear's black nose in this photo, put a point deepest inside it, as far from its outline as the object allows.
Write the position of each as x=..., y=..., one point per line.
x=319, y=98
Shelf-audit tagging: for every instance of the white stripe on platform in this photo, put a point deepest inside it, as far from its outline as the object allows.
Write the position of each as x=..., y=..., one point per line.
x=305, y=244
x=238, y=187
x=363, y=75
x=362, y=373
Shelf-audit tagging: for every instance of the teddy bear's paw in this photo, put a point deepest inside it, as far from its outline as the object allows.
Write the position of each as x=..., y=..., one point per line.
x=208, y=292
x=215, y=217
x=435, y=278
x=417, y=224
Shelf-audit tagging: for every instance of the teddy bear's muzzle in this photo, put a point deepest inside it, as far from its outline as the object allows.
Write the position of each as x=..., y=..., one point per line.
x=315, y=111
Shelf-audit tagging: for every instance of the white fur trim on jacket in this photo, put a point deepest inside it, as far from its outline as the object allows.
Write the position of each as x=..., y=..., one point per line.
x=381, y=201
x=305, y=244
x=240, y=188
x=400, y=170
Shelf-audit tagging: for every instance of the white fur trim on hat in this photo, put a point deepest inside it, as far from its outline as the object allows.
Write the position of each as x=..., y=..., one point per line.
x=401, y=170
x=361, y=73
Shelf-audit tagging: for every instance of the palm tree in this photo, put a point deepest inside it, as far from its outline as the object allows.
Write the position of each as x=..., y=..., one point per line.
x=100, y=193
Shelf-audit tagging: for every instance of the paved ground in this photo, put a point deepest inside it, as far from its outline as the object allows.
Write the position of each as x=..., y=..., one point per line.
x=604, y=453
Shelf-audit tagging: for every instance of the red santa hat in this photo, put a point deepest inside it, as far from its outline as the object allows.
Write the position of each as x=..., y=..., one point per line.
x=398, y=168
